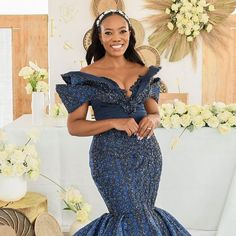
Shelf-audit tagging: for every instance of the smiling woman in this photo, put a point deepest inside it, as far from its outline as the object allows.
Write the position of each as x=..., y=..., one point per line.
x=125, y=157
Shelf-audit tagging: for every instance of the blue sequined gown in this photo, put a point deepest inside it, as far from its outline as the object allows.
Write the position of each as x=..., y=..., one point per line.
x=125, y=170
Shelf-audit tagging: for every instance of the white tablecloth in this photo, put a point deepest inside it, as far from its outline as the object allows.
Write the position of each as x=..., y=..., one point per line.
x=198, y=182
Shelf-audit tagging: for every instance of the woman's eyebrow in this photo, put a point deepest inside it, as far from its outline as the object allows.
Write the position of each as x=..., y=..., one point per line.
x=122, y=27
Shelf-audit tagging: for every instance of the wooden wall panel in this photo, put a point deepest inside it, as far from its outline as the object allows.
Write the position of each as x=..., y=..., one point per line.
x=29, y=42
x=219, y=73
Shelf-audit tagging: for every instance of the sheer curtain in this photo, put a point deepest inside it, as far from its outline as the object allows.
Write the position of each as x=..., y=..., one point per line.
x=6, y=91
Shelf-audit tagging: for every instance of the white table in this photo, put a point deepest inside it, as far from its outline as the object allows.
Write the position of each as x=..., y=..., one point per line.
x=198, y=183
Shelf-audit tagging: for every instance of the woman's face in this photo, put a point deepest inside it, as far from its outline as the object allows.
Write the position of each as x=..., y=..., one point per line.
x=115, y=35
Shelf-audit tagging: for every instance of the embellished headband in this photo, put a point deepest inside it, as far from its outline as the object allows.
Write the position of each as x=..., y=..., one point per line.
x=111, y=11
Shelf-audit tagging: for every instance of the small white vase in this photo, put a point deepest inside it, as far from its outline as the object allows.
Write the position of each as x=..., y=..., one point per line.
x=37, y=108
x=76, y=225
x=12, y=188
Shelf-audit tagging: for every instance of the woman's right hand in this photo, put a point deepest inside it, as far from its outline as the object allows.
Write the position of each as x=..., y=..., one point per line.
x=128, y=125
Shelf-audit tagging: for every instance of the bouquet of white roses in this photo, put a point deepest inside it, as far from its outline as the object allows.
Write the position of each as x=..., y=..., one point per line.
x=218, y=115
x=190, y=17
x=35, y=77
x=19, y=160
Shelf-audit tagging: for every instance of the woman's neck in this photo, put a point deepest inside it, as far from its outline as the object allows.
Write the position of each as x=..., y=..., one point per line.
x=114, y=62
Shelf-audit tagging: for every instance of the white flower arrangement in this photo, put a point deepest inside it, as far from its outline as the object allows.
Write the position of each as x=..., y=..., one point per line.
x=191, y=117
x=35, y=77
x=19, y=160
x=218, y=115
x=190, y=17
x=179, y=24
x=58, y=111
x=74, y=201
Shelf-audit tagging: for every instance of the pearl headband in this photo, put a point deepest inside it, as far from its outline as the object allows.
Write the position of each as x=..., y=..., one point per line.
x=111, y=11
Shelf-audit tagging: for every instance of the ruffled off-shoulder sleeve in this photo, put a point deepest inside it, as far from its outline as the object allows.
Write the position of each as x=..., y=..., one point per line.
x=155, y=88
x=75, y=92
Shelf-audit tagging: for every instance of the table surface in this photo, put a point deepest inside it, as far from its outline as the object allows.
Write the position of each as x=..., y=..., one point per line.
x=197, y=179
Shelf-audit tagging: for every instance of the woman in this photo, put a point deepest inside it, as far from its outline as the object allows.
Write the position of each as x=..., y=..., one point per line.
x=125, y=158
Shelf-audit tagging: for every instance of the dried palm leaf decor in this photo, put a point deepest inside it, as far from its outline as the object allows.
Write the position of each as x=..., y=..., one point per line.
x=179, y=24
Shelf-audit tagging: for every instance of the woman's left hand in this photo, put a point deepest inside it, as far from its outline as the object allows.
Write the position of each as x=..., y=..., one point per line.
x=147, y=126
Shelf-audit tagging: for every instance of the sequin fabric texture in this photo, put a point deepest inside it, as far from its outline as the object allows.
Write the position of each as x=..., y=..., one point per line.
x=125, y=170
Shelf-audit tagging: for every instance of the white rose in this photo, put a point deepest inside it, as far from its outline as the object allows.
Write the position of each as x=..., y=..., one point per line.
x=175, y=7
x=198, y=121
x=194, y=110
x=199, y=9
x=82, y=215
x=181, y=31
x=73, y=195
x=3, y=156
x=26, y=72
x=19, y=169
x=185, y=120
x=167, y=11
x=34, y=174
x=187, y=32
x=34, y=66
x=17, y=157
x=42, y=86
x=218, y=107
x=209, y=28
x=189, y=38
x=211, y=7
x=179, y=107
x=232, y=121
x=7, y=170
x=87, y=207
x=175, y=121
x=206, y=114
x=224, y=128
x=224, y=116
x=170, y=26
x=213, y=122
x=231, y=107
x=196, y=33
x=166, y=122
x=204, y=18
x=168, y=108
x=28, y=88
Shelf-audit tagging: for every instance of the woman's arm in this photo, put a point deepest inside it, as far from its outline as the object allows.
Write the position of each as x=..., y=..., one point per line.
x=151, y=120
x=79, y=126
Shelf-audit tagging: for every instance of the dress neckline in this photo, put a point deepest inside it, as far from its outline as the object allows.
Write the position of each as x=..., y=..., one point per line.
x=124, y=91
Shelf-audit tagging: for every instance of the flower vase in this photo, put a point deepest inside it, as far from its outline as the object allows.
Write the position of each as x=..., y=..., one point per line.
x=37, y=108
x=77, y=225
x=13, y=188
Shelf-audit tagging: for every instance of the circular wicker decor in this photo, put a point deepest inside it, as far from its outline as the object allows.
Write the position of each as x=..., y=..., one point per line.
x=45, y=224
x=17, y=221
x=7, y=230
x=87, y=39
x=100, y=6
x=139, y=31
x=149, y=55
x=163, y=87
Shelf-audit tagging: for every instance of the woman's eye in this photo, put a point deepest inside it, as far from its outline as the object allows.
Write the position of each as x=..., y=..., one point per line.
x=123, y=31
x=108, y=33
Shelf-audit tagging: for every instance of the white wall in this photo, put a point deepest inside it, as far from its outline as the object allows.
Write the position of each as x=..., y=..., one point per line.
x=72, y=32
x=23, y=7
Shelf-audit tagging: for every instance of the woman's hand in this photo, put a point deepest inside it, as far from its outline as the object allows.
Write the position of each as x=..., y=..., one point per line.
x=147, y=126
x=128, y=125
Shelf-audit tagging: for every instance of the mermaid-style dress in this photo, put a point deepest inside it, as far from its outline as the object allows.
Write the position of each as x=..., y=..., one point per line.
x=125, y=170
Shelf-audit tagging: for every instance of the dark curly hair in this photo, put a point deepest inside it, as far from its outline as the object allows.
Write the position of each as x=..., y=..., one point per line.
x=96, y=51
